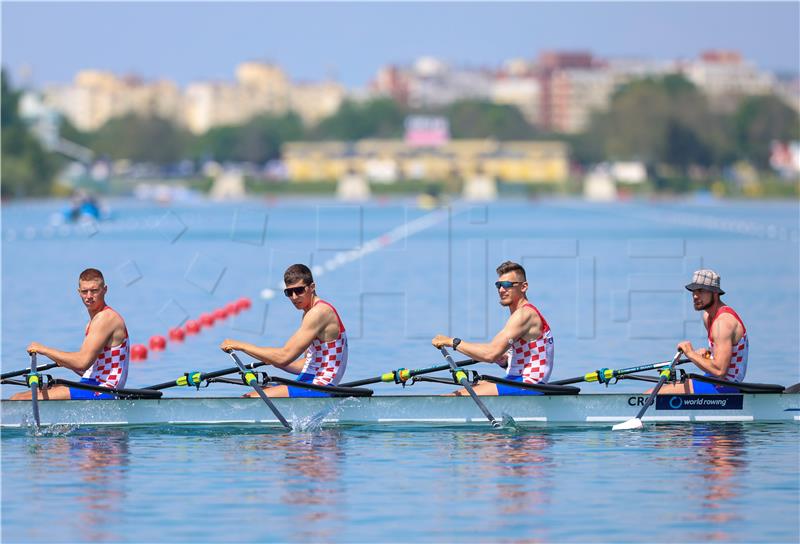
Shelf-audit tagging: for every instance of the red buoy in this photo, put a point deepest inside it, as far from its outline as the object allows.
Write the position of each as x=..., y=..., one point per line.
x=138, y=352
x=206, y=320
x=243, y=303
x=192, y=327
x=220, y=314
x=158, y=343
x=177, y=334
x=232, y=308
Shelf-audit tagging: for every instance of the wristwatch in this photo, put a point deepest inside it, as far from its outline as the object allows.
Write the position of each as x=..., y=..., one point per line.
x=456, y=342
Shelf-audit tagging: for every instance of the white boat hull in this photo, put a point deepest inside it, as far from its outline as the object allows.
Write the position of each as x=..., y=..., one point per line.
x=409, y=409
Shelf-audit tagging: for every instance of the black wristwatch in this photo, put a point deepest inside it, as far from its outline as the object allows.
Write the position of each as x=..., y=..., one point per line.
x=456, y=342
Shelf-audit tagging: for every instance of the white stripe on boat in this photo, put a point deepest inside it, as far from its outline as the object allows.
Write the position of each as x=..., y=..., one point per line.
x=724, y=418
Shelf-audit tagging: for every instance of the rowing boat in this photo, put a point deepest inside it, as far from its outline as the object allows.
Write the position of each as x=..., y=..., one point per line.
x=578, y=409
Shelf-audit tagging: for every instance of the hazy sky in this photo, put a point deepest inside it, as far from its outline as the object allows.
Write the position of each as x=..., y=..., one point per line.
x=187, y=41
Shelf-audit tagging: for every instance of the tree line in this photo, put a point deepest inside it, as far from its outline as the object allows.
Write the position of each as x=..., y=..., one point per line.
x=667, y=123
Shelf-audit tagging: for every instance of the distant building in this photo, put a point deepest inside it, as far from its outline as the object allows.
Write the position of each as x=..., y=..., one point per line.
x=313, y=102
x=207, y=105
x=260, y=88
x=95, y=97
x=726, y=78
x=557, y=91
x=390, y=160
x=431, y=83
x=521, y=90
x=574, y=94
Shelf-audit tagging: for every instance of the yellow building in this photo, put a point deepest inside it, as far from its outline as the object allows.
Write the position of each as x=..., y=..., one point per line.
x=392, y=160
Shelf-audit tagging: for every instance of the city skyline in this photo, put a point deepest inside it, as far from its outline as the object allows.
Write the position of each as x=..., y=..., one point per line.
x=348, y=42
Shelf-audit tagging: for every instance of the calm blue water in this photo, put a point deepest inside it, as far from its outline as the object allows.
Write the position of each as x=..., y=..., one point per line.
x=609, y=279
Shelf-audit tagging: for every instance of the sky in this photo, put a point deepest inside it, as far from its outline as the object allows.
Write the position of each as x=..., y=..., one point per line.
x=45, y=43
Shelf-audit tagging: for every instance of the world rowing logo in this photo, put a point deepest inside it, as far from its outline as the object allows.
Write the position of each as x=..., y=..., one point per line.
x=699, y=402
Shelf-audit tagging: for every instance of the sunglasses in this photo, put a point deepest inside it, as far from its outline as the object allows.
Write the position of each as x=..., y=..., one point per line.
x=506, y=284
x=289, y=291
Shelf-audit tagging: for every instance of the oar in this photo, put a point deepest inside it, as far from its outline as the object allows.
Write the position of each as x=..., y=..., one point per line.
x=402, y=375
x=252, y=381
x=195, y=378
x=462, y=379
x=603, y=375
x=636, y=423
x=33, y=383
x=24, y=371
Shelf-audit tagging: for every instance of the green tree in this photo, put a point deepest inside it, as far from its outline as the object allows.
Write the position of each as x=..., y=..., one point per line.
x=27, y=169
x=758, y=121
x=258, y=140
x=661, y=121
x=140, y=139
x=479, y=119
x=379, y=118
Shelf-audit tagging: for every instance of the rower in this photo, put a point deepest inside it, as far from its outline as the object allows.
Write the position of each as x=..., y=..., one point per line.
x=103, y=357
x=726, y=355
x=524, y=347
x=321, y=336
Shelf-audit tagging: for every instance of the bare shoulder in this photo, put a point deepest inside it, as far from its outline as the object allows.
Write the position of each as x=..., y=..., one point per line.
x=320, y=314
x=527, y=314
x=727, y=321
x=523, y=318
x=108, y=320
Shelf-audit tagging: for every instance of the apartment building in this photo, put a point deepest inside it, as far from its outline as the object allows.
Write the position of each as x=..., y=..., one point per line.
x=726, y=77
x=259, y=88
x=97, y=96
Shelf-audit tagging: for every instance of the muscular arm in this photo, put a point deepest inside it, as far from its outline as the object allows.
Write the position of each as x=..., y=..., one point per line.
x=286, y=357
x=516, y=326
x=100, y=332
x=722, y=333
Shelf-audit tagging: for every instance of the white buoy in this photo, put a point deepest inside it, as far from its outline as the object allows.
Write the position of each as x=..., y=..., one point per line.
x=267, y=293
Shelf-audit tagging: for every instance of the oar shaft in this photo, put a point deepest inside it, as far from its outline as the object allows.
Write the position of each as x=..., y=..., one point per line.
x=462, y=379
x=24, y=371
x=200, y=377
x=611, y=373
x=662, y=380
x=33, y=382
x=252, y=381
x=405, y=374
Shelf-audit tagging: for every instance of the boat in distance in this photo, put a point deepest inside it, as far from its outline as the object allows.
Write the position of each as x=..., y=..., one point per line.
x=582, y=409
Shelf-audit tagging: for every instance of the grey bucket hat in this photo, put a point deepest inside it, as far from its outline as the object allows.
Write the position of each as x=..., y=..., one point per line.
x=705, y=279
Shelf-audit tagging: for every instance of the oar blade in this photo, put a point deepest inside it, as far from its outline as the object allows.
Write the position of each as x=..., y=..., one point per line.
x=508, y=422
x=633, y=424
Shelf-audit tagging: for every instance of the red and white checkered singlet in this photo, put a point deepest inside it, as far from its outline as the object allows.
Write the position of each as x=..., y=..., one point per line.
x=110, y=369
x=533, y=360
x=738, y=366
x=326, y=361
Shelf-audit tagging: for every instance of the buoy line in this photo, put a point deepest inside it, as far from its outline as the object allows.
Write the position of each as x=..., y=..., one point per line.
x=380, y=242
